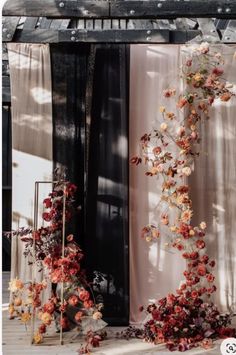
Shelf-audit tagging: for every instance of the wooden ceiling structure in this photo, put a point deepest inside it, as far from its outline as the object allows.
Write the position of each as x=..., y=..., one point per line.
x=114, y=21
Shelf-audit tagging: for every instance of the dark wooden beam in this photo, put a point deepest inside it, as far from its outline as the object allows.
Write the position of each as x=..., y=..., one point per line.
x=56, y=8
x=115, y=36
x=110, y=36
x=173, y=8
x=92, y=36
x=121, y=9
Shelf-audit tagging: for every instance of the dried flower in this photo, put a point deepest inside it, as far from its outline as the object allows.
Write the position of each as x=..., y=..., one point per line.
x=203, y=225
x=38, y=338
x=162, y=109
x=15, y=285
x=186, y=171
x=46, y=318
x=97, y=315
x=163, y=127
x=25, y=317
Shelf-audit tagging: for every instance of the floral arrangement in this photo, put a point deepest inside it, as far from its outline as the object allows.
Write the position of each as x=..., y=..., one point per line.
x=63, y=265
x=188, y=318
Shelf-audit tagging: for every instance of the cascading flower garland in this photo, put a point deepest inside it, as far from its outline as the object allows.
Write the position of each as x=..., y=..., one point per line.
x=187, y=318
x=78, y=305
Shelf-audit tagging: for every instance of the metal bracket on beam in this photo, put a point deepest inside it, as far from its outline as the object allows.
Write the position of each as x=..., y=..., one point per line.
x=230, y=32
x=208, y=30
x=9, y=25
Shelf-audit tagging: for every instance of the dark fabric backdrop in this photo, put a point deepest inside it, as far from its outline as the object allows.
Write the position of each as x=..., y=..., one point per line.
x=6, y=185
x=69, y=75
x=98, y=152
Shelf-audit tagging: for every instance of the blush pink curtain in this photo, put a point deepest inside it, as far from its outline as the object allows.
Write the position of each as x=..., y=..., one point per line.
x=30, y=75
x=155, y=270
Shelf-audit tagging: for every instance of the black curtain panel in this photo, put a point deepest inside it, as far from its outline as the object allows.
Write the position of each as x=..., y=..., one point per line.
x=69, y=76
x=107, y=188
x=90, y=89
x=6, y=185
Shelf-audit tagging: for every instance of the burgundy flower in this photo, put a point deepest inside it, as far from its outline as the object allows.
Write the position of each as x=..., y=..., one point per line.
x=226, y=332
x=47, y=202
x=217, y=71
x=47, y=216
x=200, y=244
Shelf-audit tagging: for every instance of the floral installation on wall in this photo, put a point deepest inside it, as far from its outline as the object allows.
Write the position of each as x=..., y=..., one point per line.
x=79, y=308
x=187, y=318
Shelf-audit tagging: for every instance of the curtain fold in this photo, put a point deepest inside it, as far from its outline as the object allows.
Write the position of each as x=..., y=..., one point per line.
x=107, y=195
x=30, y=76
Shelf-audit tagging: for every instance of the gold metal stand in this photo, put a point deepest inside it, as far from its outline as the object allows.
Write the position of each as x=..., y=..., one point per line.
x=35, y=228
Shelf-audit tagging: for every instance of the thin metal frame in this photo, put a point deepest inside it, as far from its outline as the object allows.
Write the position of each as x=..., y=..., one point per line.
x=35, y=227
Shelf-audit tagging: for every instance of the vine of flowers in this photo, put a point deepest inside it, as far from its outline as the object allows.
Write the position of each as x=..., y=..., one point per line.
x=188, y=318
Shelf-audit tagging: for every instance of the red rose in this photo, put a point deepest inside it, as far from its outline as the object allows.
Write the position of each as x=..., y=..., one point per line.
x=178, y=309
x=194, y=294
x=73, y=300
x=47, y=202
x=88, y=304
x=200, y=244
x=47, y=217
x=201, y=270
x=194, y=255
x=84, y=295
x=210, y=278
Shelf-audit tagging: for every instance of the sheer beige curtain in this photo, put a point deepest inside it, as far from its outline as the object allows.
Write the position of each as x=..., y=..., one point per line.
x=30, y=76
x=154, y=271
x=213, y=186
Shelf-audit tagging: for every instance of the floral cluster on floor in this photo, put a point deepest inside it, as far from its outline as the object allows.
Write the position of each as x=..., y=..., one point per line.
x=188, y=318
x=79, y=308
